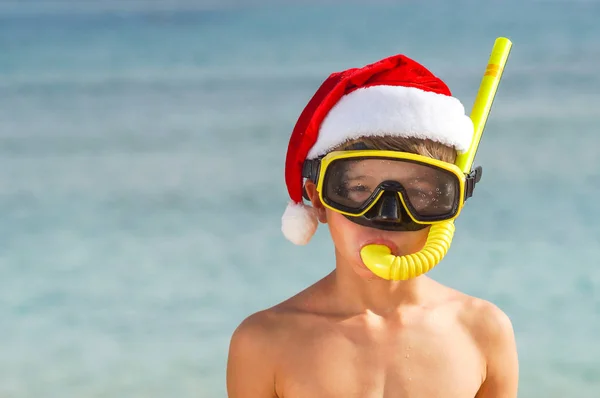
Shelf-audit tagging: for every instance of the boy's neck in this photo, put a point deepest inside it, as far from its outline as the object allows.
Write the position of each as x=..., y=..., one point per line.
x=358, y=294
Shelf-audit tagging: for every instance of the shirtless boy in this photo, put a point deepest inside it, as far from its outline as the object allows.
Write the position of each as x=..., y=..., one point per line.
x=391, y=132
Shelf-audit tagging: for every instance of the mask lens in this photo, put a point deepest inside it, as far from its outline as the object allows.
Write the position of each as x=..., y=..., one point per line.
x=429, y=192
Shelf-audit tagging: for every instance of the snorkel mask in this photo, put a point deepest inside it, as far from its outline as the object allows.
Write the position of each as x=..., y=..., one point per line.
x=391, y=190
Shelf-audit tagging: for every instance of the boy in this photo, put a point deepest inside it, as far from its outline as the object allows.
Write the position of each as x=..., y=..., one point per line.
x=373, y=152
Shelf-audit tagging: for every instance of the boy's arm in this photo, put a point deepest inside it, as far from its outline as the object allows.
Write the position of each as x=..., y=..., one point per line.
x=250, y=372
x=498, y=341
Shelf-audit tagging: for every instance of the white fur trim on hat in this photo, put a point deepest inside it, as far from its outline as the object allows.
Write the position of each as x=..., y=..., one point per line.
x=395, y=111
x=299, y=223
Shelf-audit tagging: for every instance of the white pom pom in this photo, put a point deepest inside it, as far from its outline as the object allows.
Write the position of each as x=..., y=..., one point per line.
x=299, y=223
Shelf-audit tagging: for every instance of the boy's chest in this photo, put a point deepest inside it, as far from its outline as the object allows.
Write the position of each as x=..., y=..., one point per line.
x=415, y=362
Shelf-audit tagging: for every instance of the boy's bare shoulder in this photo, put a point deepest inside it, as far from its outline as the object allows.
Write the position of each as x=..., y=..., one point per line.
x=492, y=332
x=255, y=348
x=489, y=326
x=256, y=327
x=273, y=324
x=259, y=329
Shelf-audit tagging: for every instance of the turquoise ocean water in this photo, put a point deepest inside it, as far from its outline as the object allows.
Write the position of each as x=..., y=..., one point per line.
x=141, y=189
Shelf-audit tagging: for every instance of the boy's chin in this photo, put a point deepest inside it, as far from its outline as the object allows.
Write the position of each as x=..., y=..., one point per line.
x=361, y=269
x=363, y=272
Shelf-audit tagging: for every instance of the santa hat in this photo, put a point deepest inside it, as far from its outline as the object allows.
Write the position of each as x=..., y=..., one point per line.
x=392, y=97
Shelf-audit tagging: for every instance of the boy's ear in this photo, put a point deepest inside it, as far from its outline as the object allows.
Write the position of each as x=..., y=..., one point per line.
x=311, y=193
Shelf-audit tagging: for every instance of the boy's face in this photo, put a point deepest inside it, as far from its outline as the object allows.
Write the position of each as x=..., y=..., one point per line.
x=349, y=237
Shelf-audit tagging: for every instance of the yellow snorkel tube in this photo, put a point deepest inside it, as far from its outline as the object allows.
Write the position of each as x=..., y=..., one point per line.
x=379, y=258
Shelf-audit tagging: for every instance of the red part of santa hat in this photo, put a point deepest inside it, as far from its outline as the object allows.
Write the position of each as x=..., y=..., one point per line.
x=392, y=97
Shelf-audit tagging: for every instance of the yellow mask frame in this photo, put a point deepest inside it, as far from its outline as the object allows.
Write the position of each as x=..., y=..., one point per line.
x=334, y=156
x=378, y=258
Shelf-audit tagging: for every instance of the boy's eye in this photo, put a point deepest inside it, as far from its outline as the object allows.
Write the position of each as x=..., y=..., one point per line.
x=358, y=192
x=423, y=188
x=359, y=188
